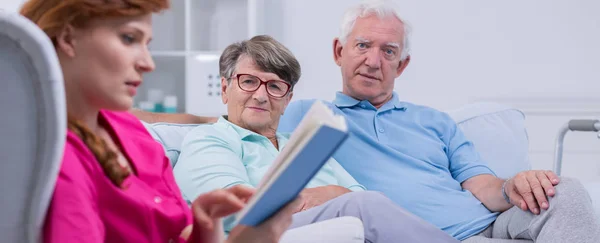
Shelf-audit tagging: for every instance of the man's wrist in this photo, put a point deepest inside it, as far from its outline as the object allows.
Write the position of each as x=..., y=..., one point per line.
x=504, y=195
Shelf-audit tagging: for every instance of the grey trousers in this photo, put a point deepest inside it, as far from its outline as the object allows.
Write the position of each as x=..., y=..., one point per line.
x=570, y=218
x=382, y=219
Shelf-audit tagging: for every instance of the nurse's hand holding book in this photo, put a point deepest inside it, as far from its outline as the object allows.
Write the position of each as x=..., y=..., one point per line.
x=209, y=208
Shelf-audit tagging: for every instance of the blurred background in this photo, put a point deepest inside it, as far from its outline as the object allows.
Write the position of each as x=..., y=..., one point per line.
x=540, y=56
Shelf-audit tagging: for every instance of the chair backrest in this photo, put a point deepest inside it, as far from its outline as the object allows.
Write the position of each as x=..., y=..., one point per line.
x=32, y=127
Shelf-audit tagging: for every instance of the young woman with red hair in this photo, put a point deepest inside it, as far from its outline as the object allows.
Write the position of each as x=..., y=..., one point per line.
x=115, y=183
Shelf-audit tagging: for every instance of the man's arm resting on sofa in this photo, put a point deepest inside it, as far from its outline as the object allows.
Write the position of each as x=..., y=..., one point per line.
x=488, y=189
x=528, y=190
x=182, y=118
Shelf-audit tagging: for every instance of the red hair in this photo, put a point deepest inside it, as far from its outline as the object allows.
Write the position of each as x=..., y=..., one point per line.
x=52, y=16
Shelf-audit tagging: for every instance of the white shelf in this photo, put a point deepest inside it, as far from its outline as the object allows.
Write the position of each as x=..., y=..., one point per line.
x=197, y=54
x=168, y=53
x=169, y=77
x=168, y=28
x=218, y=23
x=188, y=41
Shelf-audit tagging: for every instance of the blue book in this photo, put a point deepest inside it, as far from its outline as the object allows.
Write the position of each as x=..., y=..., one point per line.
x=312, y=144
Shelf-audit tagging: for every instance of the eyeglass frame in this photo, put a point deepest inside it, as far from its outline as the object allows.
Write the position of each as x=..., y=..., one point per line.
x=288, y=85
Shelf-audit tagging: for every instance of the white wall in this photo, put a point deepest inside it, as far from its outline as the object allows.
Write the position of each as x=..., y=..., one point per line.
x=537, y=55
x=11, y=5
x=465, y=48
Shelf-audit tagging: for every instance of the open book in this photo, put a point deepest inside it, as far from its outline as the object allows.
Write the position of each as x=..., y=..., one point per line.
x=314, y=141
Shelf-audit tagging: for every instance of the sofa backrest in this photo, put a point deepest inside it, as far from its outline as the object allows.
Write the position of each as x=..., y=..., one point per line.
x=170, y=136
x=497, y=132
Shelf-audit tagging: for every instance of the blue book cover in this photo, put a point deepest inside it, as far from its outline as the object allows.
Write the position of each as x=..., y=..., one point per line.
x=293, y=178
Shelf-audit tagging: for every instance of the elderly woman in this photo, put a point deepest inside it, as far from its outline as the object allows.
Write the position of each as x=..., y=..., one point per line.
x=257, y=81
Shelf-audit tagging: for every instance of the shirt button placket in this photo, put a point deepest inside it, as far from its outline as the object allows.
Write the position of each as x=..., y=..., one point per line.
x=380, y=129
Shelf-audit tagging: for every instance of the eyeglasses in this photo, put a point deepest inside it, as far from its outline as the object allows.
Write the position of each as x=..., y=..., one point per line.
x=251, y=83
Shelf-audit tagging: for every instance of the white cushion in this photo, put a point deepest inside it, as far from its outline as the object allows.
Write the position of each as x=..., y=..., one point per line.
x=170, y=136
x=498, y=134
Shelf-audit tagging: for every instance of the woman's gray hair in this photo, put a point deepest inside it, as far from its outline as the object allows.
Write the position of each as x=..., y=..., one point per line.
x=382, y=9
x=268, y=54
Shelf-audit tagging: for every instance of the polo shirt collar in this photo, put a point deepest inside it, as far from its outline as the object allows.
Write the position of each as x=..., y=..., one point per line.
x=343, y=101
x=245, y=133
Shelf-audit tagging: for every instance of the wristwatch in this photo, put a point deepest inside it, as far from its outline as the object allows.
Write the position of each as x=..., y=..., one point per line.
x=504, y=192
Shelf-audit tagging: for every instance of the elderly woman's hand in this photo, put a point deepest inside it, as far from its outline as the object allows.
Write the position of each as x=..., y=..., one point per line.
x=313, y=197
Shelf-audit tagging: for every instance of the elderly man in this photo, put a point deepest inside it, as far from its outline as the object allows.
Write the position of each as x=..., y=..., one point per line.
x=419, y=158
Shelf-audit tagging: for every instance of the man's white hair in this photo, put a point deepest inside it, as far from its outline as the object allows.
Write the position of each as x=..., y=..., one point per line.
x=382, y=9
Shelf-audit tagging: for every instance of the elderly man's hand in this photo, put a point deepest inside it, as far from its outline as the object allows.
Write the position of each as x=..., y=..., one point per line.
x=313, y=197
x=528, y=189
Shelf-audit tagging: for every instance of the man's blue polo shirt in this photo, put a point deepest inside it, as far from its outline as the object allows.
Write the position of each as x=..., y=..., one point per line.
x=415, y=155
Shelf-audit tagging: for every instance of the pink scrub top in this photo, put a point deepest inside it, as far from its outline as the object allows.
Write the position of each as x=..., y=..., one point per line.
x=87, y=207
